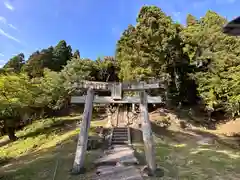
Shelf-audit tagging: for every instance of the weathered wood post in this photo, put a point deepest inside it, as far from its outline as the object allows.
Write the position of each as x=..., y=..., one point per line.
x=133, y=107
x=83, y=135
x=147, y=133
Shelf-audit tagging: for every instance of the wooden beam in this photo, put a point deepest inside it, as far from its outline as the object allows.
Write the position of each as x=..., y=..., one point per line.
x=147, y=133
x=232, y=27
x=83, y=135
x=126, y=86
x=109, y=100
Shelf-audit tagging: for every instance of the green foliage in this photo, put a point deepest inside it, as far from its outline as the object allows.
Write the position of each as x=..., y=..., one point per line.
x=153, y=48
x=15, y=64
x=54, y=94
x=75, y=71
x=17, y=97
x=144, y=50
x=106, y=69
x=38, y=61
x=16, y=94
x=76, y=54
x=61, y=54
x=53, y=58
x=216, y=61
x=195, y=62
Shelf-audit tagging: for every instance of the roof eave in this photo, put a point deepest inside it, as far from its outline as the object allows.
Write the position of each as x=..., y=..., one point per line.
x=233, y=27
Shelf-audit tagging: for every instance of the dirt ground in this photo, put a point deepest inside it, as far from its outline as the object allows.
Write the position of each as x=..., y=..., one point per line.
x=195, y=153
x=231, y=128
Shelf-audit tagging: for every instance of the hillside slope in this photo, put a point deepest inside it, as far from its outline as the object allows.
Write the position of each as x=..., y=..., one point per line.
x=41, y=147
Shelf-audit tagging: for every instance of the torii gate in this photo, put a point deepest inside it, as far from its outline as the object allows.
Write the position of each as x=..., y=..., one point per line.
x=116, y=89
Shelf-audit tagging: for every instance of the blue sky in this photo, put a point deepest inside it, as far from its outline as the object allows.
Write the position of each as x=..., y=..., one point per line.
x=91, y=26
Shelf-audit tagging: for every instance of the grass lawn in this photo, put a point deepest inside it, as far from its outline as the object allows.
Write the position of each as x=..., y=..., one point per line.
x=43, y=146
x=191, y=161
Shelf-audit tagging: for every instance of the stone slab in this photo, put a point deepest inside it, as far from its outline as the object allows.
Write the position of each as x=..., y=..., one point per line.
x=118, y=173
x=117, y=164
x=120, y=153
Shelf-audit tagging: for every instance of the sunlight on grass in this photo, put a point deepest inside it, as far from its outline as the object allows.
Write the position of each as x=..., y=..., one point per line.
x=179, y=145
x=189, y=160
x=37, y=135
x=230, y=154
x=47, y=123
x=41, y=166
x=44, y=144
x=43, y=134
x=58, y=139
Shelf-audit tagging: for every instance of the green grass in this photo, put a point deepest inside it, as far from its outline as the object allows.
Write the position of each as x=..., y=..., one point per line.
x=41, y=146
x=190, y=161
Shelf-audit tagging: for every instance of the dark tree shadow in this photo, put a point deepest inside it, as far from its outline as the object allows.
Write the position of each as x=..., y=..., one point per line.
x=58, y=126
x=162, y=132
x=196, y=117
x=231, y=142
x=5, y=142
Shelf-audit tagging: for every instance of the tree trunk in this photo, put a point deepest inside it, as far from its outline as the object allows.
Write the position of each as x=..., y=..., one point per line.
x=11, y=133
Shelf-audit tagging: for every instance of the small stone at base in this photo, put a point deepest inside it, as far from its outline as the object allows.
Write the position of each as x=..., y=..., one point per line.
x=82, y=171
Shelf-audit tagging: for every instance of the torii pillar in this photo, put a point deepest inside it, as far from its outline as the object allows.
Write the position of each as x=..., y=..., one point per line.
x=83, y=135
x=147, y=133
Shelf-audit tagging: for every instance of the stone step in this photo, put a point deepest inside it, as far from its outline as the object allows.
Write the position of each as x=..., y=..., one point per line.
x=120, y=134
x=120, y=131
x=117, y=154
x=120, y=128
x=119, y=139
x=119, y=142
x=118, y=173
x=115, y=131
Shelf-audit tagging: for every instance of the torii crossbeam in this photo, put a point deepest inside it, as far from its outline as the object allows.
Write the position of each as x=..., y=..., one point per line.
x=116, y=92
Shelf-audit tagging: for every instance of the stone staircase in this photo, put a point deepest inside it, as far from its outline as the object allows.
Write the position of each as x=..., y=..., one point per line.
x=120, y=135
x=118, y=161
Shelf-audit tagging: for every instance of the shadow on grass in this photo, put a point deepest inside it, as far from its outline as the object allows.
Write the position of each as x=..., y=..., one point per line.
x=5, y=142
x=56, y=124
x=60, y=126
x=41, y=165
x=198, y=162
x=193, y=115
x=231, y=142
x=162, y=132
x=181, y=157
x=194, y=134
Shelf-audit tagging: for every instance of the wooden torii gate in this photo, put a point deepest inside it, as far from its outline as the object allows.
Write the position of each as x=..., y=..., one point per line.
x=116, y=89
